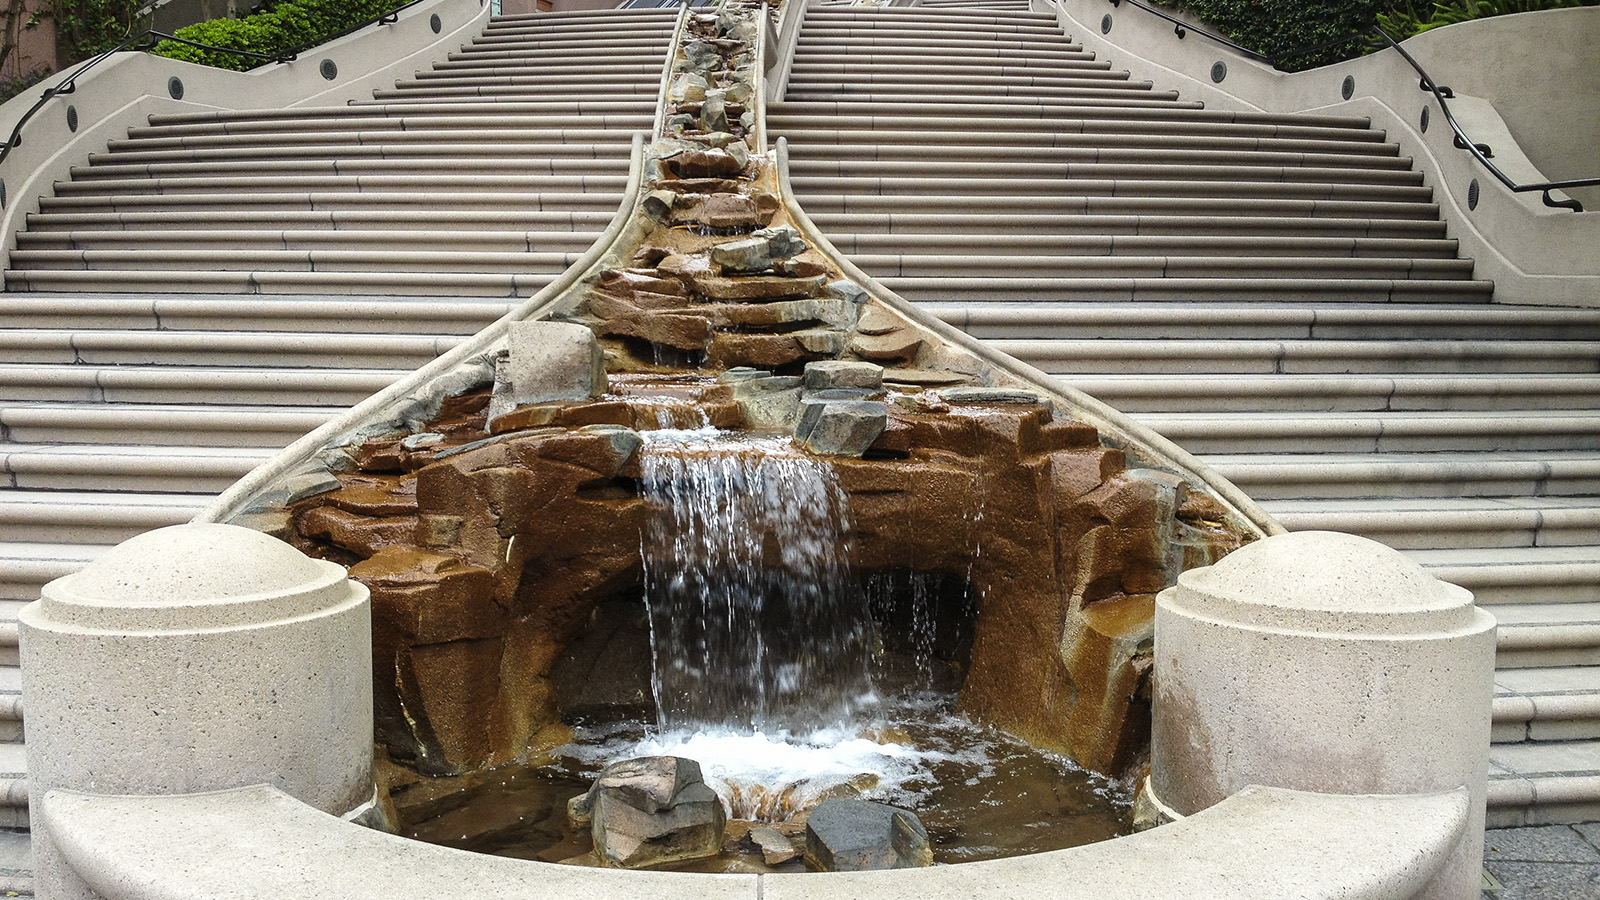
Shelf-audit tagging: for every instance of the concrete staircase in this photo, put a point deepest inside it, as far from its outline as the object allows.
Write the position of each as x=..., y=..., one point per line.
x=1276, y=293
x=215, y=285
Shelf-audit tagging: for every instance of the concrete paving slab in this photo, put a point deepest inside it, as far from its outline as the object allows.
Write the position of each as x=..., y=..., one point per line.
x=1543, y=843
x=1545, y=881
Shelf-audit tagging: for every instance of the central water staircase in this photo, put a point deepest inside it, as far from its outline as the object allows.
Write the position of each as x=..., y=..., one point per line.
x=1276, y=293
x=215, y=285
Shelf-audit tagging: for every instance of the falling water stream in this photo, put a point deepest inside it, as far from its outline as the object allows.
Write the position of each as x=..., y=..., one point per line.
x=756, y=622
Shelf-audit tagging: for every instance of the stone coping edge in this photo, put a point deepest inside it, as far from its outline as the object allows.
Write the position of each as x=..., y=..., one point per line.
x=414, y=397
x=257, y=842
x=1121, y=430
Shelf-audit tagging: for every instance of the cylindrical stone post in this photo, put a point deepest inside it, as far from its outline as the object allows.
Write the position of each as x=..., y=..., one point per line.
x=1324, y=662
x=196, y=658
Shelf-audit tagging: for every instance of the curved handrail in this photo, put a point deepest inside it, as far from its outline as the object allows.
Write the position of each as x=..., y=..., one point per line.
x=381, y=407
x=148, y=39
x=1110, y=421
x=1481, y=152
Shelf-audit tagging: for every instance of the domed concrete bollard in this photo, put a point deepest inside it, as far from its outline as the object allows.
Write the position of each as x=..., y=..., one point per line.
x=1323, y=662
x=197, y=658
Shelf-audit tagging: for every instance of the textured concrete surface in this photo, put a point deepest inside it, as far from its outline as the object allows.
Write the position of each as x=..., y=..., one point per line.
x=1545, y=862
x=257, y=842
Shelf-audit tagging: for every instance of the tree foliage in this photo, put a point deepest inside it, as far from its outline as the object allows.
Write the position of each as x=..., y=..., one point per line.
x=285, y=26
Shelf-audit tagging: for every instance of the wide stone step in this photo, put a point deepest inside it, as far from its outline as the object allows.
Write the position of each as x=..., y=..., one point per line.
x=488, y=198
x=61, y=346
x=1211, y=357
x=1544, y=782
x=79, y=517
x=589, y=221
x=1063, y=205
x=129, y=171
x=1000, y=95
x=1006, y=144
x=541, y=67
x=918, y=41
x=825, y=125
x=407, y=284
x=312, y=260
x=1195, y=265
x=123, y=468
x=1436, y=523
x=539, y=131
x=947, y=176
x=1300, y=476
x=1189, y=290
x=980, y=114
x=1122, y=182
x=392, y=116
x=1380, y=432
x=1520, y=574
x=1537, y=635
x=296, y=183
x=264, y=386
x=444, y=93
x=886, y=249
x=1559, y=703
x=1326, y=393
x=27, y=566
x=253, y=240
x=228, y=312
x=1352, y=322
x=146, y=424
x=511, y=155
x=957, y=226
x=883, y=159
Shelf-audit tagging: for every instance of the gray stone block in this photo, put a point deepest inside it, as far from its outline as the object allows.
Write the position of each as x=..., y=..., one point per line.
x=651, y=811
x=553, y=361
x=838, y=373
x=840, y=427
x=858, y=835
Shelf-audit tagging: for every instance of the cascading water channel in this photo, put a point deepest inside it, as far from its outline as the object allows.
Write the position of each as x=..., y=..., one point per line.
x=756, y=622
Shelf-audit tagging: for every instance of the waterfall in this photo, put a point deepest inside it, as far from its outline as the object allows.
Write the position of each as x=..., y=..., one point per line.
x=755, y=620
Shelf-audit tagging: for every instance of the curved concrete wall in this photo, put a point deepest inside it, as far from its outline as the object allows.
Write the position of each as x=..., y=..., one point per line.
x=1533, y=253
x=127, y=88
x=1549, y=99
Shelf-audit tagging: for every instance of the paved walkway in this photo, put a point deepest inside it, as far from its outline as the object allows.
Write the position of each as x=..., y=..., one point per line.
x=1542, y=862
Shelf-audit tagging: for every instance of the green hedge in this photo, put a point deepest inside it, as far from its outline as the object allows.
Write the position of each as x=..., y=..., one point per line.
x=1279, y=28
x=1408, y=18
x=288, y=25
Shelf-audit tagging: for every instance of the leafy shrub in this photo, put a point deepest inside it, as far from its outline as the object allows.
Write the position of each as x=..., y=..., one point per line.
x=1281, y=29
x=1407, y=19
x=286, y=26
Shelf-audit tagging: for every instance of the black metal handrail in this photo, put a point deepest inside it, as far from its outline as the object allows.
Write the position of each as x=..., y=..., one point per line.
x=1480, y=151
x=150, y=38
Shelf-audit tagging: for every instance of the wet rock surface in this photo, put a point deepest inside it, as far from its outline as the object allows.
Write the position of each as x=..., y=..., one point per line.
x=859, y=835
x=649, y=812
